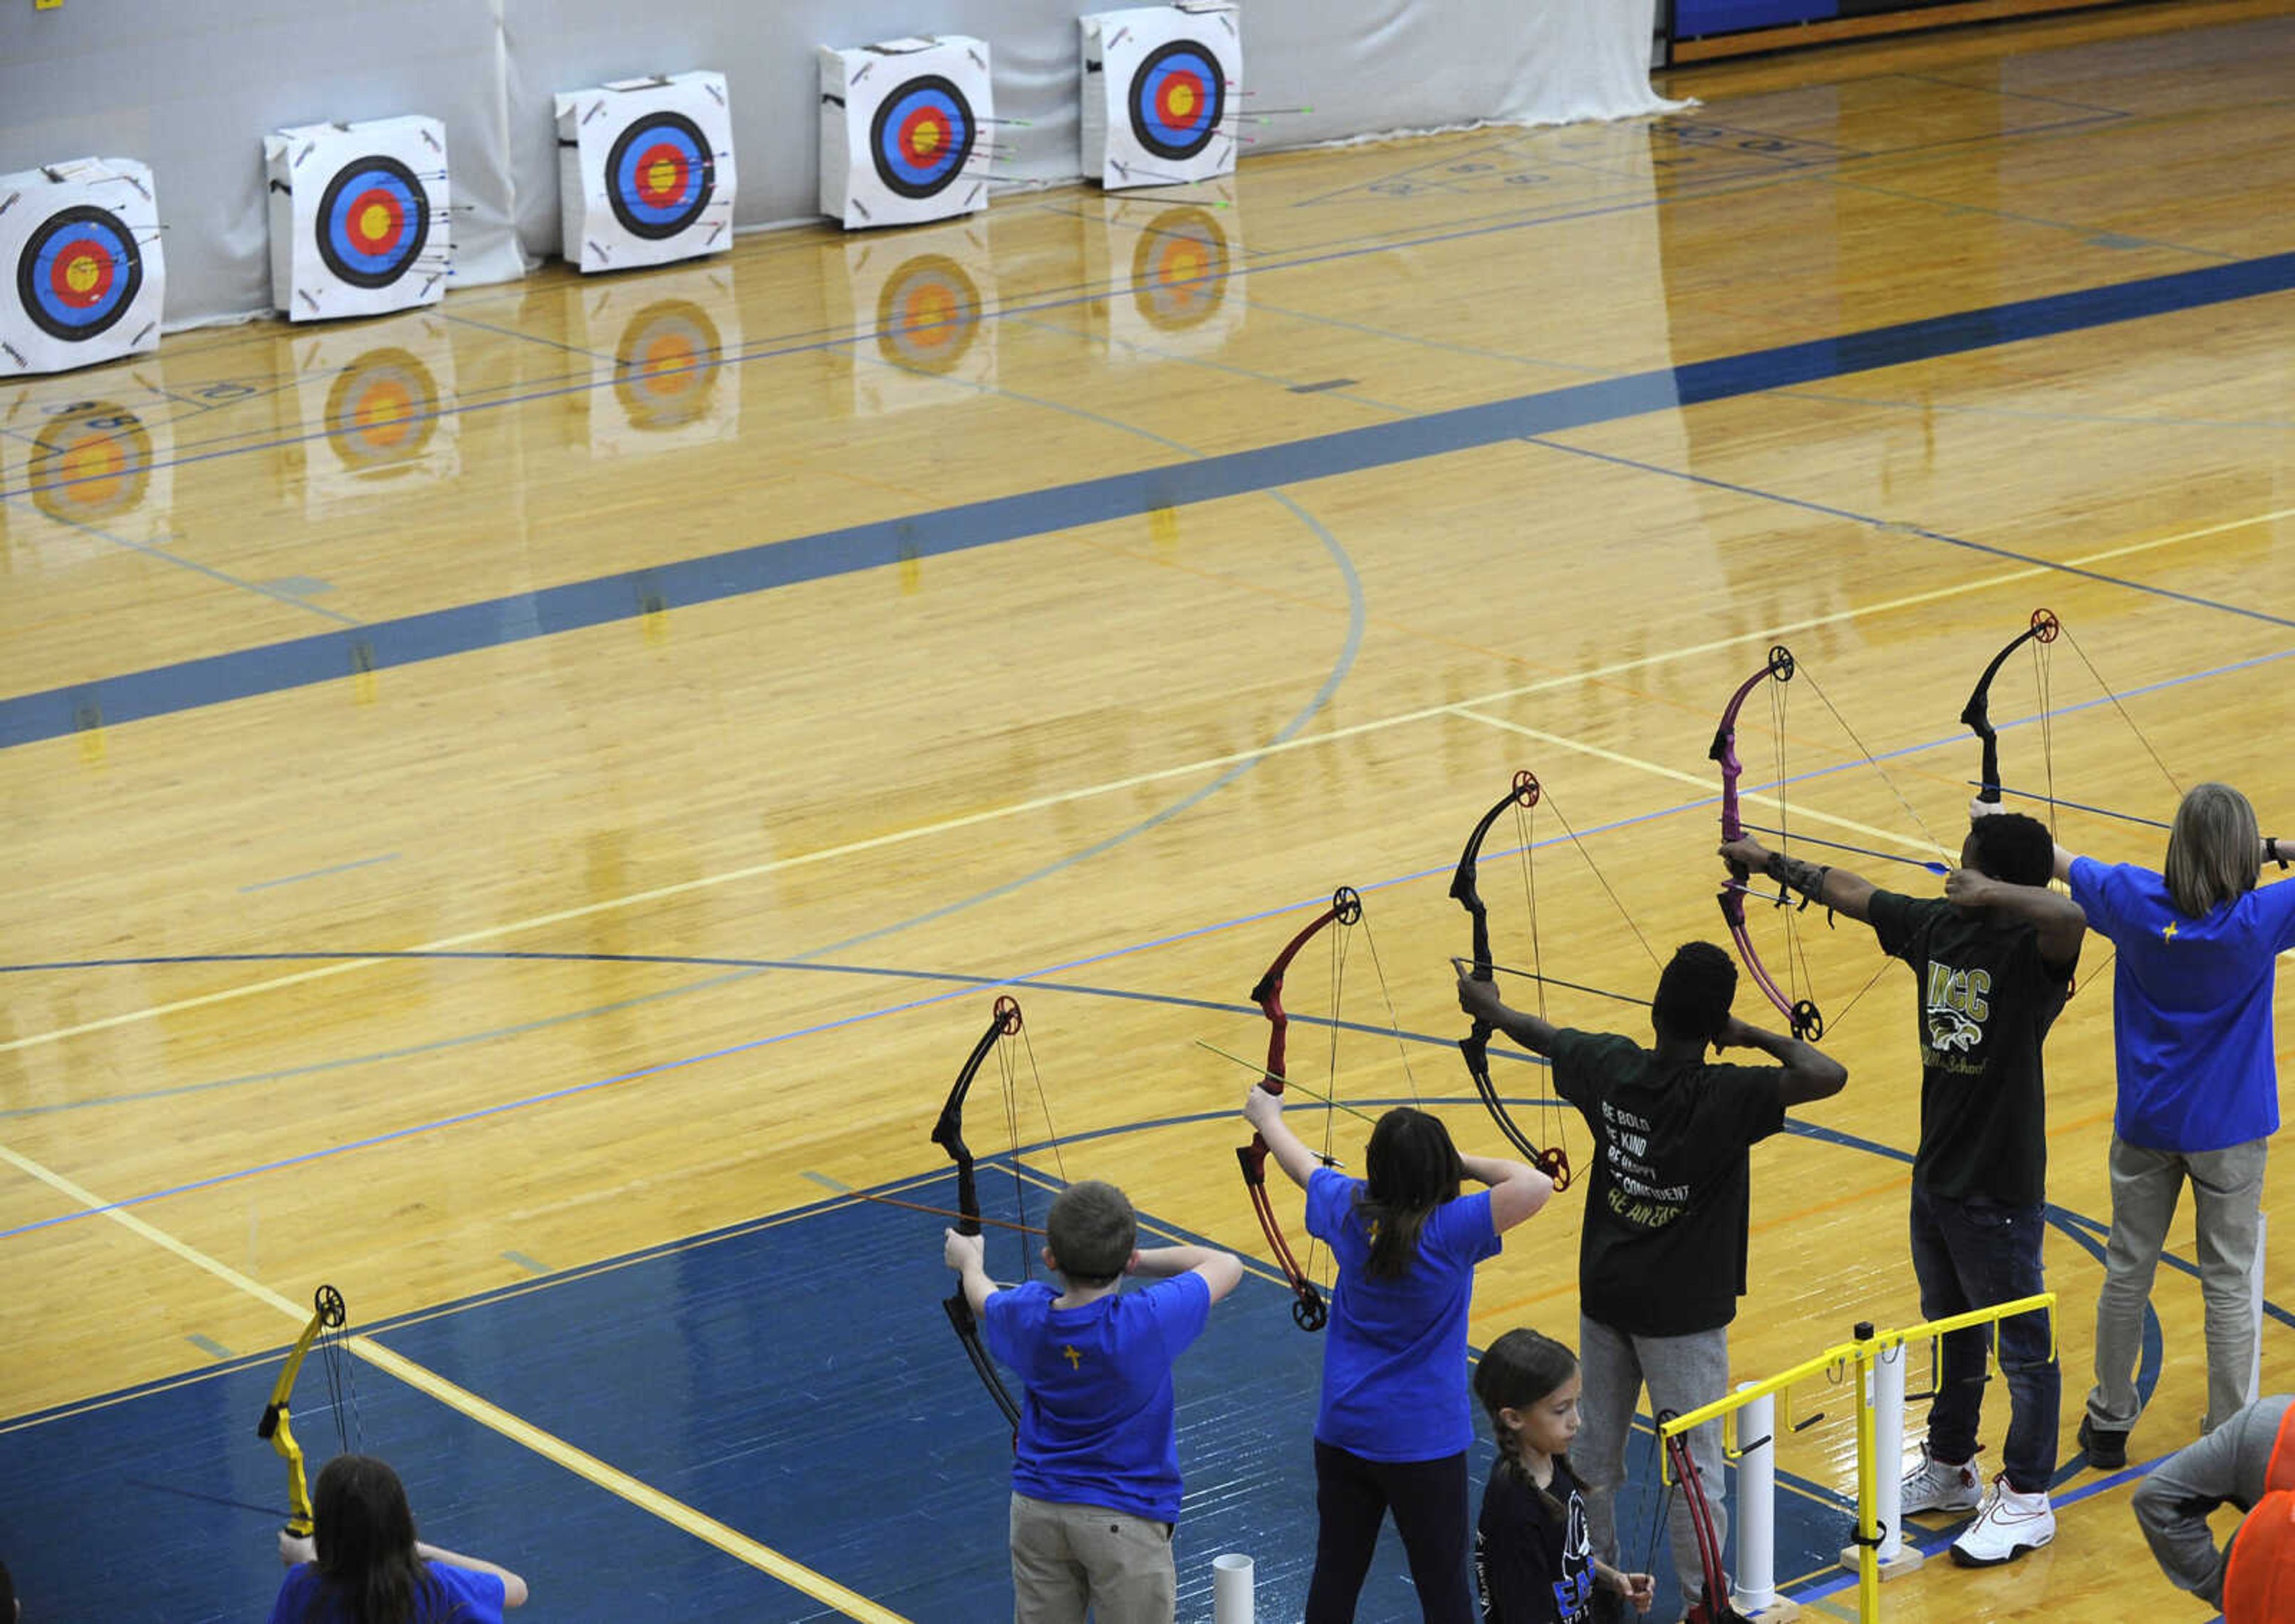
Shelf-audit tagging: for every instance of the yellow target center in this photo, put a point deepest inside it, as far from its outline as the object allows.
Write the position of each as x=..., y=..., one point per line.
x=83, y=273
x=927, y=139
x=1183, y=101
x=374, y=222
x=661, y=177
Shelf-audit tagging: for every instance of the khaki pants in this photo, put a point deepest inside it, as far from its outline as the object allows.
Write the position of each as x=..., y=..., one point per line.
x=1070, y=1559
x=2227, y=1195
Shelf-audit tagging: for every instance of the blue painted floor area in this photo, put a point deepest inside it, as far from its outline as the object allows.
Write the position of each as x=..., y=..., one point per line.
x=796, y=1380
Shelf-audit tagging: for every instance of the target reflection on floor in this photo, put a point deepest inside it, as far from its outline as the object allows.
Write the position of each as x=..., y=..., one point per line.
x=1162, y=95
x=381, y=400
x=665, y=379
x=358, y=218
x=1171, y=270
x=918, y=308
x=79, y=243
x=90, y=471
x=905, y=131
x=645, y=171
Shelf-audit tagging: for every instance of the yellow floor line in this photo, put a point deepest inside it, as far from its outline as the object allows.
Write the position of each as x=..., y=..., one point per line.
x=1304, y=741
x=494, y=1418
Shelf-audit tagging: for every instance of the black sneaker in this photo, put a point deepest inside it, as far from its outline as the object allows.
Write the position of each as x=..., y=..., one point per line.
x=2106, y=1451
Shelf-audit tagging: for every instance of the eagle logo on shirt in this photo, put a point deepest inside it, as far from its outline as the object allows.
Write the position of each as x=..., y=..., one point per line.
x=1956, y=1005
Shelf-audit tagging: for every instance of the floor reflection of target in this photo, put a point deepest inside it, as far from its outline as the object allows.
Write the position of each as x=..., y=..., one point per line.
x=381, y=411
x=1177, y=100
x=90, y=464
x=922, y=137
x=373, y=220
x=927, y=315
x=1179, y=270
x=660, y=175
x=78, y=273
x=666, y=365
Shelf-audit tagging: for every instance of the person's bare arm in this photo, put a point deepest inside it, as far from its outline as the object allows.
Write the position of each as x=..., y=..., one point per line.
x=1837, y=889
x=1518, y=1189
x=1263, y=1108
x=1809, y=1074
x=2060, y=921
x=1480, y=999
x=967, y=1256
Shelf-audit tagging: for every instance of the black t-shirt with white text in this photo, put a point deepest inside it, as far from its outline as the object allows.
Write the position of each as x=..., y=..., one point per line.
x=1663, y=1249
x=1530, y=1566
x=1986, y=1000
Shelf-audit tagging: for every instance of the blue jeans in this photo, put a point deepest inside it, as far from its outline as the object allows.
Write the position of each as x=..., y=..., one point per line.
x=1970, y=1252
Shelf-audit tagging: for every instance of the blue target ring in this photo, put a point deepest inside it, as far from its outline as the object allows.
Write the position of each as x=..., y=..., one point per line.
x=922, y=137
x=660, y=175
x=78, y=274
x=373, y=219
x=1178, y=95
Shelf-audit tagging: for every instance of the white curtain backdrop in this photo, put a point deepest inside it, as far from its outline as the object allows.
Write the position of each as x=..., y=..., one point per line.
x=181, y=88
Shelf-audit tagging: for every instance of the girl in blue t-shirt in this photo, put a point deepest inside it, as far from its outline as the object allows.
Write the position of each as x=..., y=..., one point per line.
x=1534, y=1560
x=2192, y=996
x=363, y=1565
x=1395, y=1421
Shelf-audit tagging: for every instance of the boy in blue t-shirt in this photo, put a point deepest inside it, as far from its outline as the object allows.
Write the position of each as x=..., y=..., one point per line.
x=1096, y=1468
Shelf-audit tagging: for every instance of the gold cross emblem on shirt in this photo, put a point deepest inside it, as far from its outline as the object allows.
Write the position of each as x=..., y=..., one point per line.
x=2168, y=931
x=1070, y=1354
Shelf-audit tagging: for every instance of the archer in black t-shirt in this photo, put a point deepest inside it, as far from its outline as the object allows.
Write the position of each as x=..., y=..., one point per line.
x=1661, y=1253
x=1992, y=961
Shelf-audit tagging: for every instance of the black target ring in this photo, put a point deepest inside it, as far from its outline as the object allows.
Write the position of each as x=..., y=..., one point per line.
x=1177, y=100
x=922, y=137
x=79, y=273
x=660, y=174
x=373, y=219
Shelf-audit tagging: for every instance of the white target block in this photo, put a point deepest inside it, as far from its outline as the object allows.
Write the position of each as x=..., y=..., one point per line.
x=1162, y=93
x=359, y=221
x=905, y=131
x=383, y=397
x=663, y=377
x=79, y=248
x=645, y=171
x=918, y=305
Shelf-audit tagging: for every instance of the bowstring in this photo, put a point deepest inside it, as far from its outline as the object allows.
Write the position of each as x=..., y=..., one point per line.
x=1342, y=940
x=1525, y=840
x=341, y=1367
x=2110, y=694
x=1009, y=1050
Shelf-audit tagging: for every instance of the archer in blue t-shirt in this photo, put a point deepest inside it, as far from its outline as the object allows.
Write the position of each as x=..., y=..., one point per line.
x=2199, y=1086
x=1096, y=1466
x=1396, y=1416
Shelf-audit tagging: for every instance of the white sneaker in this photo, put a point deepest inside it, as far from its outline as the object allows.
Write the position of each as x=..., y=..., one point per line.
x=2010, y=1525
x=1936, y=1485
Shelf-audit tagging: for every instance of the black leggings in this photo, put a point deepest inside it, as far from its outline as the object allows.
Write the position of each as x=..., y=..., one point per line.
x=1428, y=1498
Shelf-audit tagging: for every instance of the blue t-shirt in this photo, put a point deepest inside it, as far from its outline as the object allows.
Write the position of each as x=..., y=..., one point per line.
x=464, y=1596
x=1394, y=1363
x=1096, y=1425
x=2190, y=1003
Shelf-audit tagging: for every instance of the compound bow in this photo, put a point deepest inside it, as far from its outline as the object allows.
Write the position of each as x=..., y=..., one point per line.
x=1803, y=1014
x=1976, y=713
x=327, y=1314
x=947, y=1133
x=1552, y=1159
x=1307, y=1310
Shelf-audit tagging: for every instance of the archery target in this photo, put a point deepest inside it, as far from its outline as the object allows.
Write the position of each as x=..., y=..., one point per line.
x=645, y=171
x=917, y=307
x=668, y=383
x=358, y=218
x=904, y=131
x=1160, y=88
x=1170, y=269
x=80, y=242
x=382, y=401
x=87, y=472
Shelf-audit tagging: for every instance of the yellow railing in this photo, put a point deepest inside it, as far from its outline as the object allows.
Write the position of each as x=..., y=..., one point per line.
x=1855, y=1357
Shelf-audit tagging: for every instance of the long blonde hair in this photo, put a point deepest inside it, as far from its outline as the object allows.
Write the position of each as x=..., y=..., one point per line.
x=2215, y=851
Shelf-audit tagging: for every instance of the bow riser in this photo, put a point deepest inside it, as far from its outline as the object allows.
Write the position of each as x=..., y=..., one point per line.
x=327, y=1314
x=1976, y=714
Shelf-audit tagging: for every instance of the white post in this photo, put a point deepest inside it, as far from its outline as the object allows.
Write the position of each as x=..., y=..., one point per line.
x=1889, y=1450
x=1231, y=1602
x=1756, y=1589
x=2255, y=1296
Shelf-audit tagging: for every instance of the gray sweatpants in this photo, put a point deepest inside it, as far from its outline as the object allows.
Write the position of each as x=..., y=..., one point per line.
x=1683, y=1374
x=2227, y=1196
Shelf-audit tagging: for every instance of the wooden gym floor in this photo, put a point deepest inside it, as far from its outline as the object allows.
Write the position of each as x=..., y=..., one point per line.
x=516, y=809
